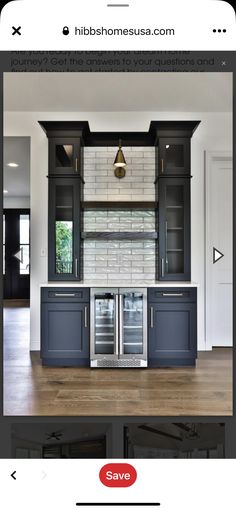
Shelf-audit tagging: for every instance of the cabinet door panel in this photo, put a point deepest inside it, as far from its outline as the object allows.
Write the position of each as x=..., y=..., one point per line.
x=65, y=331
x=65, y=156
x=64, y=229
x=174, y=229
x=174, y=156
x=174, y=331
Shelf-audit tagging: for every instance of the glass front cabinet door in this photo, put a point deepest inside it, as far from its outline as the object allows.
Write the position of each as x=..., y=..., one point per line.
x=174, y=229
x=174, y=156
x=65, y=156
x=64, y=229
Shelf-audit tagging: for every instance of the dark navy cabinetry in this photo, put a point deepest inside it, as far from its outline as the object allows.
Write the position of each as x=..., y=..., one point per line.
x=65, y=326
x=173, y=193
x=172, y=328
x=65, y=191
x=174, y=156
x=174, y=229
x=64, y=229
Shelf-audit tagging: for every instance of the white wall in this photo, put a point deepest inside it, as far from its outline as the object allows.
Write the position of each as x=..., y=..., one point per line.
x=214, y=133
x=16, y=202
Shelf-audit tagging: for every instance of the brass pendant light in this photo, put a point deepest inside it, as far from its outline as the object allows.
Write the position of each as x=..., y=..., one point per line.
x=120, y=163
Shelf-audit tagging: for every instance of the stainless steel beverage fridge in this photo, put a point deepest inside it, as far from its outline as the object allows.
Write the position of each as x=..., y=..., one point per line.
x=118, y=327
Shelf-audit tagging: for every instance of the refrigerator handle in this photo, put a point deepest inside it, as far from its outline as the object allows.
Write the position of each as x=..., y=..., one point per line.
x=121, y=312
x=117, y=324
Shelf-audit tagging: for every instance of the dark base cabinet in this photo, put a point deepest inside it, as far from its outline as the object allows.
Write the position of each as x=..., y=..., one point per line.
x=172, y=327
x=65, y=327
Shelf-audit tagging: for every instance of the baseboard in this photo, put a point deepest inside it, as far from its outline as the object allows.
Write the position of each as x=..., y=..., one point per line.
x=35, y=345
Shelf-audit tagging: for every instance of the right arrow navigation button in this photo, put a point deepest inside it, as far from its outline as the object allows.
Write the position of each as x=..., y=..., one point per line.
x=217, y=255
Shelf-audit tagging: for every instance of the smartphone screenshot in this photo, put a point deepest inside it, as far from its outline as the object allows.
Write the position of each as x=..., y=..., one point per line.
x=117, y=226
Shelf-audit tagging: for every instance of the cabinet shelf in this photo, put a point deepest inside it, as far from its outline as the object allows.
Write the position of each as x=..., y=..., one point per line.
x=174, y=207
x=120, y=235
x=64, y=207
x=174, y=250
x=118, y=205
x=172, y=229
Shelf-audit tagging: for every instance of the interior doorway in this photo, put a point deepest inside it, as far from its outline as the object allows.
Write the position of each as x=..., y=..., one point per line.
x=16, y=220
x=16, y=253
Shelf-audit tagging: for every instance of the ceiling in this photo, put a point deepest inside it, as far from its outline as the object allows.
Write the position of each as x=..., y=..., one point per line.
x=38, y=432
x=111, y=92
x=16, y=180
x=208, y=433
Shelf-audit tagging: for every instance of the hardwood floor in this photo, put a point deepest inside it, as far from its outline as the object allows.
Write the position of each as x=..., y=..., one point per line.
x=30, y=389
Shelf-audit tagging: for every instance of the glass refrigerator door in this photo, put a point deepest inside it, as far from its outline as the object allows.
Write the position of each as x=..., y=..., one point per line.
x=105, y=323
x=132, y=323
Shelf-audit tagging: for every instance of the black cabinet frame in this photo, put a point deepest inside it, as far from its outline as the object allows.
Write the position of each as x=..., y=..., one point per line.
x=75, y=275
x=76, y=167
x=185, y=273
x=163, y=168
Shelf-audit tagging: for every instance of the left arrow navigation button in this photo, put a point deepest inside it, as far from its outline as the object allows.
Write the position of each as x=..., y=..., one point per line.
x=13, y=475
x=19, y=255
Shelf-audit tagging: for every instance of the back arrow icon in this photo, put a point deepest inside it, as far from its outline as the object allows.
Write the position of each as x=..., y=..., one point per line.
x=13, y=475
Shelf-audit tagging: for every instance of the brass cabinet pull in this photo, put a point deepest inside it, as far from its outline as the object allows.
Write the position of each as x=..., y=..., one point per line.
x=151, y=317
x=76, y=165
x=85, y=316
x=162, y=166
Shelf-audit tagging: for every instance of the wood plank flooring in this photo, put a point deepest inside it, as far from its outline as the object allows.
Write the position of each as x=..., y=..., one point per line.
x=30, y=389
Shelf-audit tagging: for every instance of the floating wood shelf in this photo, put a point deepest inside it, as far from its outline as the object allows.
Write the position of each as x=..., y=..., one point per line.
x=129, y=236
x=118, y=205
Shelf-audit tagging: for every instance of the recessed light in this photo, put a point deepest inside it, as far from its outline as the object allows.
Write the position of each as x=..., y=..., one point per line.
x=13, y=165
x=5, y=191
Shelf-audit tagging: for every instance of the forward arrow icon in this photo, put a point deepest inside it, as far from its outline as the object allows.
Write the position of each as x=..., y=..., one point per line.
x=217, y=255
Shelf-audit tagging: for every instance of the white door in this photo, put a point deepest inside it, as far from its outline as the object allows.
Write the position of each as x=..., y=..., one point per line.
x=219, y=234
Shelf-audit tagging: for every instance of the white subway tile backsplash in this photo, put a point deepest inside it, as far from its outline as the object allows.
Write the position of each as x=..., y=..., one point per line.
x=108, y=261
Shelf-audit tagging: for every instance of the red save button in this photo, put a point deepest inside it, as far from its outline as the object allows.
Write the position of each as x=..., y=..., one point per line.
x=118, y=475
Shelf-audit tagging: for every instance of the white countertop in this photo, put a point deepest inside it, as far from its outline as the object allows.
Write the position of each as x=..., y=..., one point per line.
x=116, y=284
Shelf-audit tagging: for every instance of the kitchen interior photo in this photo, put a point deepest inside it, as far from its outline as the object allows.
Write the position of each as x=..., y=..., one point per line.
x=60, y=441
x=118, y=244
x=116, y=440
x=175, y=441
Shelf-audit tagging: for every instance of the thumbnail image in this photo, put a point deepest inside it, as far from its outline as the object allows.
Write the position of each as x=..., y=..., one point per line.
x=175, y=441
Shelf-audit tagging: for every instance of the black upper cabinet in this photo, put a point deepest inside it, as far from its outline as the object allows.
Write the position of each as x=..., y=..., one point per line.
x=174, y=156
x=174, y=229
x=173, y=140
x=64, y=229
x=173, y=186
x=66, y=142
x=65, y=183
x=65, y=156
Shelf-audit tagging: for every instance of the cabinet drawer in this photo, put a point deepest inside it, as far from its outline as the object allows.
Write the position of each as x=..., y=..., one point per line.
x=172, y=295
x=65, y=294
